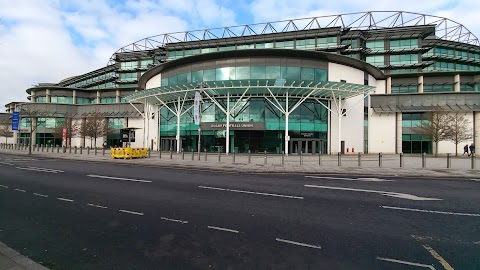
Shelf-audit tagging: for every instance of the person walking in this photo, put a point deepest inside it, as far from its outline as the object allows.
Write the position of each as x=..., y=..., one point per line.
x=465, y=150
x=472, y=149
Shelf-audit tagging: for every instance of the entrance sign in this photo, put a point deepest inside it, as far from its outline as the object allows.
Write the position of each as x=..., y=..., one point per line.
x=233, y=125
x=15, y=120
x=126, y=137
x=197, y=107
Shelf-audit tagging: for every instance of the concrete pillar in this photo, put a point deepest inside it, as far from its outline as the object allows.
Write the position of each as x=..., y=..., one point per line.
x=420, y=84
x=33, y=96
x=33, y=139
x=117, y=96
x=399, y=132
x=456, y=83
x=476, y=130
x=389, y=85
x=98, y=97
x=47, y=98
x=74, y=96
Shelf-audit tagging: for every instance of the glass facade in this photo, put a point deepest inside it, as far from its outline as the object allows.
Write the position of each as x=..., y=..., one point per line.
x=403, y=59
x=411, y=142
x=403, y=44
x=62, y=100
x=404, y=89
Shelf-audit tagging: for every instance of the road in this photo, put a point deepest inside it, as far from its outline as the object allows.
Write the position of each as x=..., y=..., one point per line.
x=89, y=215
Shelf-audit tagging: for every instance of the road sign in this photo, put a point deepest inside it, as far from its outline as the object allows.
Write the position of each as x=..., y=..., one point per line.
x=15, y=120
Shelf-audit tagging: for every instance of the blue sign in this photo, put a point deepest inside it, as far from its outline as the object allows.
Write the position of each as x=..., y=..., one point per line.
x=15, y=120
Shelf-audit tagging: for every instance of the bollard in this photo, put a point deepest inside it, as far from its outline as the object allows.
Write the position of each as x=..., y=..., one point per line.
x=58, y=149
x=283, y=158
x=473, y=161
x=339, y=159
x=42, y=146
x=88, y=150
x=233, y=157
x=171, y=153
x=249, y=156
x=319, y=158
x=95, y=151
x=265, y=158
x=359, y=159
x=380, y=159
x=401, y=160
x=183, y=154
x=75, y=150
x=160, y=153
x=301, y=158
x=205, y=150
x=70, y=149
x=103, y=152
x=148, y=150
x=193, y=155
x=449, y=164
x=424, y=160
x=48, y=148
x=218, y=154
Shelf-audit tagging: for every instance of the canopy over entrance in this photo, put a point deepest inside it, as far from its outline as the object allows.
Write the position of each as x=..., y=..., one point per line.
x=174, y=97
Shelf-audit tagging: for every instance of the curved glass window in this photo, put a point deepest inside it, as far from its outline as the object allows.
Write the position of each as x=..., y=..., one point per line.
x=248, y=73
x=62, y=100
x=40, y=99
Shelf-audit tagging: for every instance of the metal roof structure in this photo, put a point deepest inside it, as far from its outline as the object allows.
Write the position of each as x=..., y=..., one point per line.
x=251, y=88
x=445, y=29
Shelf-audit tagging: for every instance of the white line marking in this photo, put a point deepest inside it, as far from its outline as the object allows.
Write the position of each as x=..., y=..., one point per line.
x=297, y=243
x=222, y=229
x=21, y=190
x=406, y=262
x=174, y=220
x=363, y=179
x=96, y=205
x=131, y=212
x=41, y=195
x=6, y=163
x=3, y=186
x=118, y=178
x=37, y=170
x=46, y=169
x=253, y=192
x=384, y=193
x=64, y=199
x=430, y=211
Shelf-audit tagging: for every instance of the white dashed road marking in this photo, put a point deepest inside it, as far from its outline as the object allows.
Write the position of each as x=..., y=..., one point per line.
x=98, y=206
x=297, y=243
x=6, y=163
x=406, y=263
x=222, y=229
x=253, y=192
x=174, y=220
x=118, y=178
x=41, y=195
x=131, y=212
x=3, y=186
x=430, y=211
x=364, y=179
x=39, y=169
x=21, y=190
x=64, y=199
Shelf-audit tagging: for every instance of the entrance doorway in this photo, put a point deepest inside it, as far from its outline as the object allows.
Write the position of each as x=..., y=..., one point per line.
x=168, y=143
x=307, y=146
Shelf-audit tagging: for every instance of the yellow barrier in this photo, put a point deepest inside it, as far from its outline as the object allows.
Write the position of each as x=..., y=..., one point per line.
x=128, y=153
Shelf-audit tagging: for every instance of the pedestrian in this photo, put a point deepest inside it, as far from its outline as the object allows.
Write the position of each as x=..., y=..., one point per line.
x=465, y=150
x=472, y=149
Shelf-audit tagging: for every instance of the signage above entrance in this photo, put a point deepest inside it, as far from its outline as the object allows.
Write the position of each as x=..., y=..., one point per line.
x=233, y=125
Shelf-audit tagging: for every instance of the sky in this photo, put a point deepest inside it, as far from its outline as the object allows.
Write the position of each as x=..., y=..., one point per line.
x=45, y=41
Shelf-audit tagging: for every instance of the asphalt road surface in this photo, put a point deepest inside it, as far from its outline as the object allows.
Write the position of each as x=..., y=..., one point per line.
x=84, y=215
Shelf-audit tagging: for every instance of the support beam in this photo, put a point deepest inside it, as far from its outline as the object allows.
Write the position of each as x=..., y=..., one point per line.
x=399, y=132
x=227, y=136
x=179, y=115
x=287, y=113
x=420, y=84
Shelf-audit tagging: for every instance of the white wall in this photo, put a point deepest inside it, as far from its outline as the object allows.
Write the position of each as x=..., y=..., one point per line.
x=352, y=123
x=137, y=122
x=154, y=82
x=381, y=132
x=445, y=147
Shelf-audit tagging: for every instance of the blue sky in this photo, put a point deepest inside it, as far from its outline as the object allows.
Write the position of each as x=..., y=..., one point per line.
x=49, y=40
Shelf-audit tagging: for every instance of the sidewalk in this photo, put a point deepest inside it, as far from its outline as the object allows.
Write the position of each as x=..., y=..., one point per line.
x=308, y=163
x=12, y=260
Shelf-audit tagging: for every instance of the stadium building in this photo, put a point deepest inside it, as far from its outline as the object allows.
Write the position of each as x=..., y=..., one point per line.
x=358, y=82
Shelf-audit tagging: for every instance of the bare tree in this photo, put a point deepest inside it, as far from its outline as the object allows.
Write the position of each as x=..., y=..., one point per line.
x=93, y=128
x=435, y=127
x=70, y=125
x=5, y=130
x=31, y=114
x=458, y=130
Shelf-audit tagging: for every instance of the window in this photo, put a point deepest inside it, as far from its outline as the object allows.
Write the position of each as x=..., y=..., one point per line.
x=62, y=100
x=115, y=123
x=404, y=89
x=404, y=59
x=108, y=100
x=438, y=88
x=376, y=60
x=128, y=76
x=376, y=45
x=131, y=65
x=326, y=42
x=288, y=44
x=352, y=42
x=81, y=100
x=40, y=99
x=305, y=44
x=398, y=44
x=145, y=62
